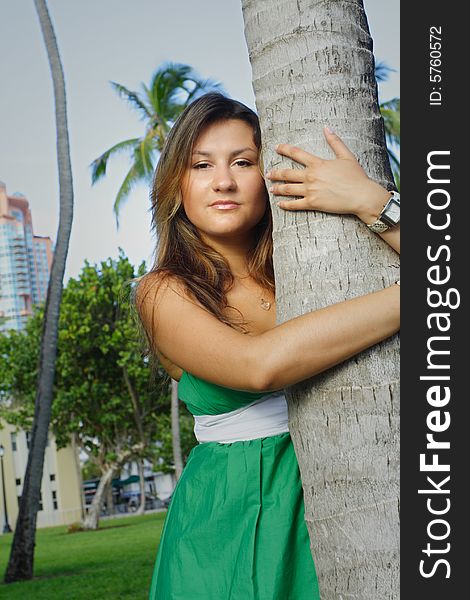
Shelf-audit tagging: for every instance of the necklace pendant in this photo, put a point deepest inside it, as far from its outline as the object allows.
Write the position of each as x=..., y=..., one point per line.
x=265, y=305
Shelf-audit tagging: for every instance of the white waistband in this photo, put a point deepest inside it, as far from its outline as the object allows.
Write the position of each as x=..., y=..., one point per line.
x=263, y=418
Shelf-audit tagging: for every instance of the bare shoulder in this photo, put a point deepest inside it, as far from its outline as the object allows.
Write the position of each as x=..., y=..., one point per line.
x=155, y=286
x=190, y=337
x=154, y=289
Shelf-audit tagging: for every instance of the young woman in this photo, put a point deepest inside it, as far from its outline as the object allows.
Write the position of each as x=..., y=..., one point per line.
x=235, y=527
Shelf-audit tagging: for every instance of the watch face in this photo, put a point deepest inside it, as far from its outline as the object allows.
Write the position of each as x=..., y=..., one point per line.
x=391, y=214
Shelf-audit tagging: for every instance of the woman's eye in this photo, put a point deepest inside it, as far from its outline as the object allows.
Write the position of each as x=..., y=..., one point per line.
x=201, y=166
x=243, y=163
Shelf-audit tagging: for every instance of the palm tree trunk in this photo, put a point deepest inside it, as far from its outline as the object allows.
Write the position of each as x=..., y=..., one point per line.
x=313, y=66
x=175, y=430
x=21, y=560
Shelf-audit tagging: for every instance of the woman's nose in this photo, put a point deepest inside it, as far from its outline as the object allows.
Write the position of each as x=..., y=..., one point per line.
x=223, y=179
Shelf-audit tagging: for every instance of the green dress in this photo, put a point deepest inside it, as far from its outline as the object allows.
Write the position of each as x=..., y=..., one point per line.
x=235, y=526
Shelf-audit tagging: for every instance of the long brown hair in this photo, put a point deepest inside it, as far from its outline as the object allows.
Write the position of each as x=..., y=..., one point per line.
x=180, y=250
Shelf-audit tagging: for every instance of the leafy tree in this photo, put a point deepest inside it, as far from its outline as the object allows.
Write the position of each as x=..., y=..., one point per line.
x=103, y=393
x=172, y=87
x=90, y=470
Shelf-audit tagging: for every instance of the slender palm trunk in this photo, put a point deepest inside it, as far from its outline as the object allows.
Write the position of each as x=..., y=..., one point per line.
x=175, y=430
x=313, y=66
x=20, y=565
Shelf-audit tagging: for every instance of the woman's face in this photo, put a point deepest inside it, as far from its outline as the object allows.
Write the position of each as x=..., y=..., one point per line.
x=224, y=194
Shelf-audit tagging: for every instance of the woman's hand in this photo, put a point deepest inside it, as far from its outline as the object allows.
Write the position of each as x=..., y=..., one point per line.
x=339, y=185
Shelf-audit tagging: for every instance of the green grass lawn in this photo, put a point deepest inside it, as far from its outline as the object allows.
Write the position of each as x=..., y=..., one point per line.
x=113, y=562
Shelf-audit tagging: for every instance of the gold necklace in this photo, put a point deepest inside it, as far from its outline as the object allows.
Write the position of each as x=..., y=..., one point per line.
x=265, y=304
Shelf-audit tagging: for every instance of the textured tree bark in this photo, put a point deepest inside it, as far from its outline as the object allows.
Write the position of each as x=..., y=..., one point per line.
x=313, y=66
x=20, y=565
x=109, y=470
x=76, y=456
x=109, y=499
x=140, y=428
x=140, y=467
x=175, y=430
x=92, y=518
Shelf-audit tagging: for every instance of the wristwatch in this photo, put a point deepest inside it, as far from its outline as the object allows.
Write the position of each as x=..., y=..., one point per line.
x=390, y=215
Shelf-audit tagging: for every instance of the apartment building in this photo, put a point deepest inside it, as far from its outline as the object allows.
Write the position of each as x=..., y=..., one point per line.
x=61, y=497
x=25, y=261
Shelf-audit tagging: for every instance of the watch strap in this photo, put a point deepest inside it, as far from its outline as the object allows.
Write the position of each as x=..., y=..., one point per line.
x=378, y=226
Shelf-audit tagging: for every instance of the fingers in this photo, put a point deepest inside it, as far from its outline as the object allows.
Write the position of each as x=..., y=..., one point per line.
x=297, y=154
x=300, y=204
x=288, y=189
x=337, y=145
x=306, y=158
x=292, y=175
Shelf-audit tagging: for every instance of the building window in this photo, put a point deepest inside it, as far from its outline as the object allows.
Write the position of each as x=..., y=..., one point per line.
x=28, y=439
x=19, y=499
x=13, y=441
x=40, y=501
x=54, y=500
x=18, y=481
x=52, y=477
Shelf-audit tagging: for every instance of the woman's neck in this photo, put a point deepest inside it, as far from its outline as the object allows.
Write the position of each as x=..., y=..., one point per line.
x=235, y=252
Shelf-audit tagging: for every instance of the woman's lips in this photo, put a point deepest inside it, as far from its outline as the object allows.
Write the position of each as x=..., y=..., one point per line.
x=224, y=205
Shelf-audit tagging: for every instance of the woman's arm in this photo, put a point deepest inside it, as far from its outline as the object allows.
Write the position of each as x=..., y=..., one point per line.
x=173, y=371
x=192, y=338
x=335, y=186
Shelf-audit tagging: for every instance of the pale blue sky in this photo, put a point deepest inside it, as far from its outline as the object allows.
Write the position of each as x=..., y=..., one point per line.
x=103, y=40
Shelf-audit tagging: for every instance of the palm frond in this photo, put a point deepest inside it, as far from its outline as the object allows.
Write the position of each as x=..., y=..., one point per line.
x=141, y=171
x=393, y=158
x=172, y=87
x=396, y=174
x=133, y=98
x=167, y=86
x=130, y=180
x=98, y=166
x=146, y=154
x=391, y=115
x=393, y=104
x=395, y=164
x=382, y=71
x=202, y=86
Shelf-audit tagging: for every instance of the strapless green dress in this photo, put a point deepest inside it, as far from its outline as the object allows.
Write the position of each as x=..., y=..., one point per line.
x=235, y=526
